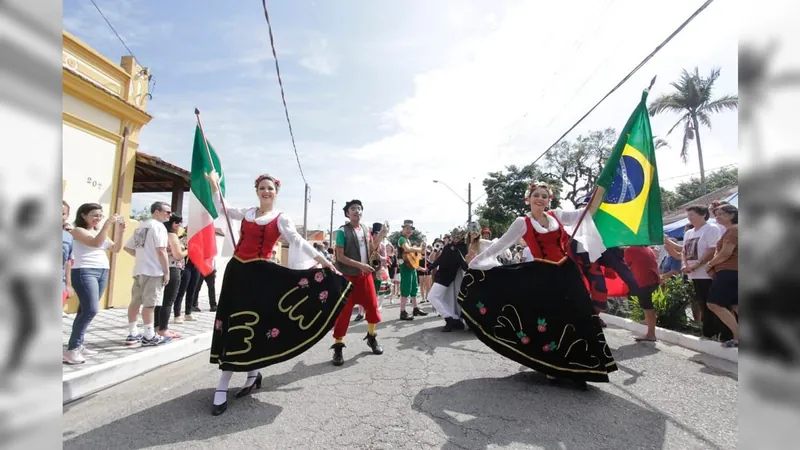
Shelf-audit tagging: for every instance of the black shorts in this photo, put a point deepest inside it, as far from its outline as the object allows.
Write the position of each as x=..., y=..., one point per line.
x=646, y=296
x=725, y=289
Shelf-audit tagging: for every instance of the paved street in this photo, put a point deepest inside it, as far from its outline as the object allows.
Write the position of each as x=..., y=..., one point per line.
x=429, y=390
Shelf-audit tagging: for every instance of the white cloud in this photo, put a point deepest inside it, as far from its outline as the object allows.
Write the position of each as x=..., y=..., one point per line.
x=320, y=58
x=504, y=83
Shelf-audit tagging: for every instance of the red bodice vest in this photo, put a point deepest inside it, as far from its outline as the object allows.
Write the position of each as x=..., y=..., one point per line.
x=552, y=246
x=256, y=241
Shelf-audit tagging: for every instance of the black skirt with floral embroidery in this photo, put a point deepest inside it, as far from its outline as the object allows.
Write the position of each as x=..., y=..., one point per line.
x=268, y=313
x=540, y=315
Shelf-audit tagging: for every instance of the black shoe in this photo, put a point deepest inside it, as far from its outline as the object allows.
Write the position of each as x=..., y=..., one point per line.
x=213, y=308
x=459, y=325
x=372, y=341
x=196, y=309
x=219, y=409
x=247, y=390
x=404, y=315
x=419, y=312
x=338, y=357
x=448, y=326
x=358, y=318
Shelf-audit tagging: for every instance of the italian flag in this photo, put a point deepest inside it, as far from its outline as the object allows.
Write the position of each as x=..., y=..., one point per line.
x=202, y=212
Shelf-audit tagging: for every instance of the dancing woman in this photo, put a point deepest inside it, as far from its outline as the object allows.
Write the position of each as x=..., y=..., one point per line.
x=539, y=314
x=268, y=313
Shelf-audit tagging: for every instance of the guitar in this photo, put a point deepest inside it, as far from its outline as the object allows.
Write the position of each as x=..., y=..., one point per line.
x=412, y=259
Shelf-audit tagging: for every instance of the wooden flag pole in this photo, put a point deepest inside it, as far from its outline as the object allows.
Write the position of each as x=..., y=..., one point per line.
x=219, y=189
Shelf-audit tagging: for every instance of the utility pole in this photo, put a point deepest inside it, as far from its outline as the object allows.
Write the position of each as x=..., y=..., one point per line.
x=469, y=202
x=330, y=234
x=305, y=215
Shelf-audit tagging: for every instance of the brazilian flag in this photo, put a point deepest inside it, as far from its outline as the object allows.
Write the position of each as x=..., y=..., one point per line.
x=631, y=210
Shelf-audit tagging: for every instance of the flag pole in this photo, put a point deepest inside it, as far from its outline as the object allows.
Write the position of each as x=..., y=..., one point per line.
x=219, y=190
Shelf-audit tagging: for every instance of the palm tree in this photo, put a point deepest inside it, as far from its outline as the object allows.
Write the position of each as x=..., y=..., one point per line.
x=692, y=100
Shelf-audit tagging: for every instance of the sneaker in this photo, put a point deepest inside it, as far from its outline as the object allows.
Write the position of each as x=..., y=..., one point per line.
x=73, y=357
x=85, y=351
x=133, y=339
x=155, y=340
x=178, y=319
x=189, y=318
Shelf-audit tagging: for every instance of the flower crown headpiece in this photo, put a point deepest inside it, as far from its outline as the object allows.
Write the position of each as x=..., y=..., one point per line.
x=265, y=176
x=540, y=184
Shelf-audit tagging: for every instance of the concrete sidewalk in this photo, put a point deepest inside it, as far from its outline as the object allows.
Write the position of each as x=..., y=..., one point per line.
x=116, y=362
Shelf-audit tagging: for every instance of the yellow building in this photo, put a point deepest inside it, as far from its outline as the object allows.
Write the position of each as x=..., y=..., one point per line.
x=104, y=111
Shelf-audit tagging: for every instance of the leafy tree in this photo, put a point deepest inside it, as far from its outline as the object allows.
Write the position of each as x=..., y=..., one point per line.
x=416, y=236
x=670, y=200
x=692, y=189
x=692, y=99
x=505, y=192
x=141, y=215
x=578, y=164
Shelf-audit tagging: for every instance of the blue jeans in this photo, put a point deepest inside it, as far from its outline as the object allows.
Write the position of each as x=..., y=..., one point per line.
x=89, y=284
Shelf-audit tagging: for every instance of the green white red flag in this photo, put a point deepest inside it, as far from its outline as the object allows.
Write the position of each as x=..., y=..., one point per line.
x=202, y=244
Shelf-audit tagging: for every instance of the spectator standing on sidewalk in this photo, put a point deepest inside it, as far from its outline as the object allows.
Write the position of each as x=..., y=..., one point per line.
x=148, y=246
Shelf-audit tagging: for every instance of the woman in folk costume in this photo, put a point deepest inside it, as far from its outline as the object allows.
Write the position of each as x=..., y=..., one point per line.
x=539, y=314
x=268, y=313
x=450, y=266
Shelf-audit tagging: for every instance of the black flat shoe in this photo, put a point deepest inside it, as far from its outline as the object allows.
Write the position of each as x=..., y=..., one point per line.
x=219, y=409
x=245, y=391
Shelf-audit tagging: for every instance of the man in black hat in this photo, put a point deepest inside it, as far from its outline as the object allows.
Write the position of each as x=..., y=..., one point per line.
x=409, y=281
x=354, y=247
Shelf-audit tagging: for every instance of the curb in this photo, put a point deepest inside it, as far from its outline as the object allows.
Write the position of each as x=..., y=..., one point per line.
x=690, y=342
x=81, y=383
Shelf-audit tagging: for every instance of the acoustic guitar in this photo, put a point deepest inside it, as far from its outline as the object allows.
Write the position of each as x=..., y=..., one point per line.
x=412, y=259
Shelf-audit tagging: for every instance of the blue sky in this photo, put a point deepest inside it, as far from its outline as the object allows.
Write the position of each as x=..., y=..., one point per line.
x=387, y=96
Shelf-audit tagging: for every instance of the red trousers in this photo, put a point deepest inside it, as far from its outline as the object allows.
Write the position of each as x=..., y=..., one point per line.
x=364, y=295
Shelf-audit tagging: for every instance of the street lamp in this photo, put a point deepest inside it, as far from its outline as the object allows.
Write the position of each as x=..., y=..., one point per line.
x=468, y=201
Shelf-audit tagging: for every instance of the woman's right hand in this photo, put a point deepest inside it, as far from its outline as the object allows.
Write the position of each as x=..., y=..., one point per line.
x=213, y=178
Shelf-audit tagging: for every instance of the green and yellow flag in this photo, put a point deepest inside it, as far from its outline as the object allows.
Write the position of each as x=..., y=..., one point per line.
x=631, y=210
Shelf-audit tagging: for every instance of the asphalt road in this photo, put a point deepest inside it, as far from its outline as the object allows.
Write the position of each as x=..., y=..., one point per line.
x=428, y=390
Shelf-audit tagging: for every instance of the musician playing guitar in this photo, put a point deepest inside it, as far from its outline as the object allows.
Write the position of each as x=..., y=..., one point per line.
x=409, y=281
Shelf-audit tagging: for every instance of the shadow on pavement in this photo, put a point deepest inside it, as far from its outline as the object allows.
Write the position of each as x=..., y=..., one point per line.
x=188, y=418
x=632, y=351
x=185, y=418
x=524, y=409
x=429, y=339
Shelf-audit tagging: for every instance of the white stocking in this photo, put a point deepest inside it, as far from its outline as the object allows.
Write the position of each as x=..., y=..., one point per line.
x=224, y=381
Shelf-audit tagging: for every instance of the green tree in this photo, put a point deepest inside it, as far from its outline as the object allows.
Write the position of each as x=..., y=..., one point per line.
x=505, y=192
x=578, y=164
x=142, y=214
x=692, y=99
x=669, y=200
x=693, y=189
x=416, y=236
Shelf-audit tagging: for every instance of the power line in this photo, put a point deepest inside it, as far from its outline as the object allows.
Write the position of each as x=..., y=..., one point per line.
x=150, y=79
x=698, y=173
x=629, y=75
x=114, y=30
x=283, y=94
